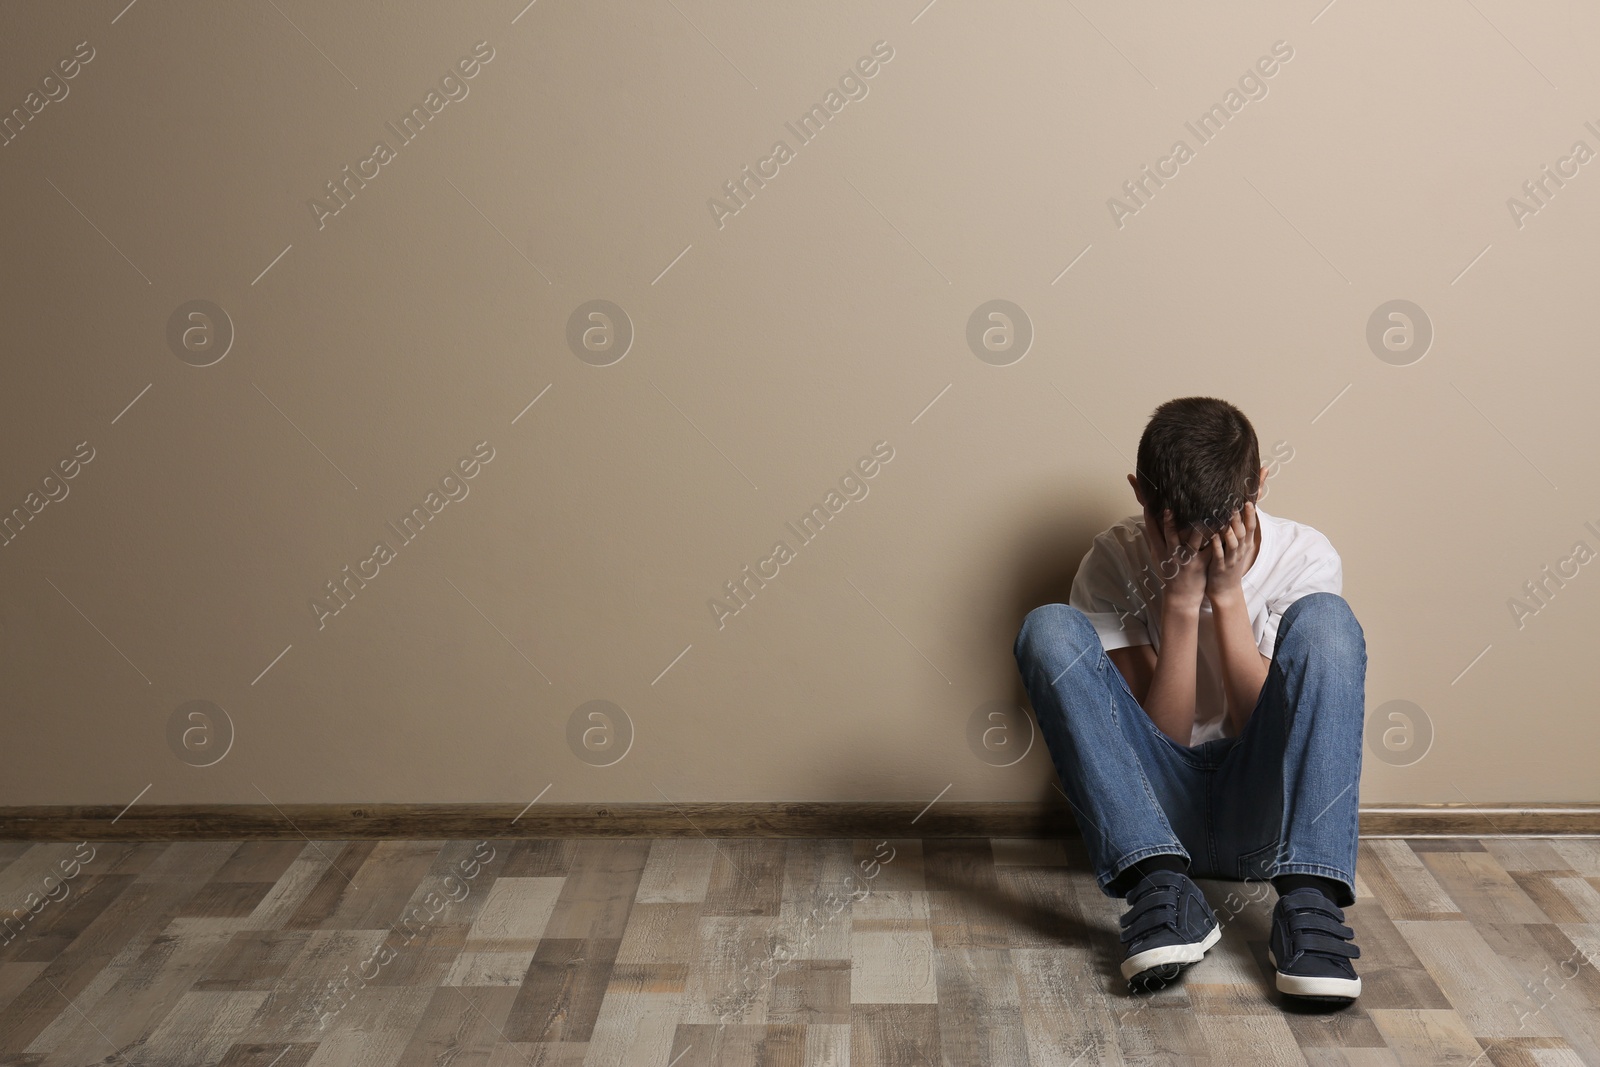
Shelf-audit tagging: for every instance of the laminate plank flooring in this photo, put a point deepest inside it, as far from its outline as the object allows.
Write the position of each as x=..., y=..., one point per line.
x=769, y=952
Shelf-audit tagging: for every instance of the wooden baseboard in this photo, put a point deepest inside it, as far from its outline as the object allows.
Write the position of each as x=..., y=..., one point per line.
x=862, y=820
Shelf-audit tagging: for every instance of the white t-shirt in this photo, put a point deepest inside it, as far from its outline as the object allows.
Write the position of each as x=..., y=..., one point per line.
x=1120, y=590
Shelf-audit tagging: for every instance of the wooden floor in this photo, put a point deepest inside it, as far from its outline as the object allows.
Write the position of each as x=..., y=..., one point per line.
x=691, y=951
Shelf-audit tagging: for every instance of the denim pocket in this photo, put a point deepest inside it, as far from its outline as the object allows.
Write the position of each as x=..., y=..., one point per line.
x=1257, y=865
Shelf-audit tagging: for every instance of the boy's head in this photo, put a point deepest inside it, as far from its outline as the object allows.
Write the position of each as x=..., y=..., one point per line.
x=1199, y=457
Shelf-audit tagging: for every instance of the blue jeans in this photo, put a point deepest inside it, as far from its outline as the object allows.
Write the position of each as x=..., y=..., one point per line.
x=1281, y=798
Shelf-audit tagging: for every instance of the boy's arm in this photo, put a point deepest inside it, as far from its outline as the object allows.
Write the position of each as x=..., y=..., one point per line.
x=1244, y=668
x=1170, y=700
x=1164, y=685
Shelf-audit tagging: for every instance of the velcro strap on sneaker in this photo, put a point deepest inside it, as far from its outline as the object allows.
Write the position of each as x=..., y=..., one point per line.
x=1316, y=904
x=1330, y=946
x=1317, y=922
x=1153, y=919
x=1141, y=905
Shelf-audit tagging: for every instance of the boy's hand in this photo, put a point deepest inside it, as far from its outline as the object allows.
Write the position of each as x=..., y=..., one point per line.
x=1227, y=553
x=1180, y=560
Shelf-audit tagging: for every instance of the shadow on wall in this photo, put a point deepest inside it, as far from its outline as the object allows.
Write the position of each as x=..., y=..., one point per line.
x=1045, y=560
x=1042, y=563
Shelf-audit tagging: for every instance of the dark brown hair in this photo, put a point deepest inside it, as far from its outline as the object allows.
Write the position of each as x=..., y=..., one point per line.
x=1198, y=456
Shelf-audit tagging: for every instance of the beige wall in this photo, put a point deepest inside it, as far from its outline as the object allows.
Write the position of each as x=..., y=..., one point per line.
x=822, y=318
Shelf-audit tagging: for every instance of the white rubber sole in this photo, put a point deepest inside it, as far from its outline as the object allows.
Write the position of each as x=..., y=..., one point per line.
x=1296, y=985
x=1152, y=958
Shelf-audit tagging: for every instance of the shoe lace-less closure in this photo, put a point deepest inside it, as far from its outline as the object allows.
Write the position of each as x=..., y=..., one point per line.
x=1167, y=927
x=1311, y=948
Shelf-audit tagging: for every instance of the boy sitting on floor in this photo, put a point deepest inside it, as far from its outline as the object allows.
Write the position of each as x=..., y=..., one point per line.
x=1226, y=743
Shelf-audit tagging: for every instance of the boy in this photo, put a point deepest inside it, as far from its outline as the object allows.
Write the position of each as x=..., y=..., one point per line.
x=1226, y=742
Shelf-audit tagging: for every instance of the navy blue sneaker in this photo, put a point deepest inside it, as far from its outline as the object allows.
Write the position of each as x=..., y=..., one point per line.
x=1168, y=927
x=1312, y=949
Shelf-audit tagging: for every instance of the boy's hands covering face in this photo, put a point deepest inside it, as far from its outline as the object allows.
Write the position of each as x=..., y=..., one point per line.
x=1228, y=554
x=1181, y=560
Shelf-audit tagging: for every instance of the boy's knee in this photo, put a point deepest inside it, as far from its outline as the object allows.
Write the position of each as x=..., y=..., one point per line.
x=1052, y=627
x=1323, y=621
